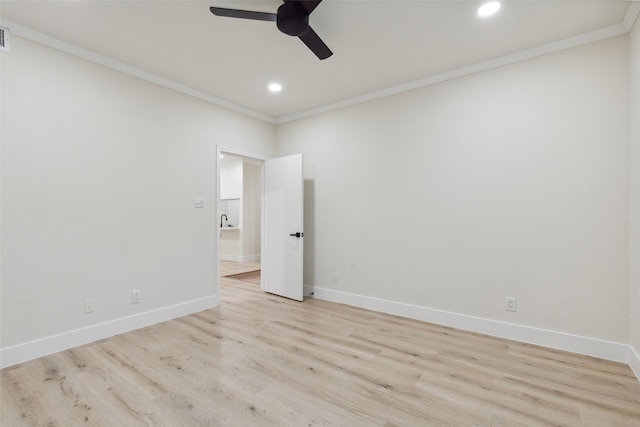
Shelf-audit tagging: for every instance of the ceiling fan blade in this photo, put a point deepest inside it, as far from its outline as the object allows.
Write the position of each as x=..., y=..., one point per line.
x=244, y=14
x=315, y=43
x=308, y=5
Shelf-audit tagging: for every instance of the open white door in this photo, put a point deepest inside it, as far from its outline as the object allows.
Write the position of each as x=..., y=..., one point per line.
x=282, y=253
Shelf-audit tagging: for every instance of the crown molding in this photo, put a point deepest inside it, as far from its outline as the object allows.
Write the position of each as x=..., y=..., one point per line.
x=106, y=61
x=592, y=36
x=632, y=15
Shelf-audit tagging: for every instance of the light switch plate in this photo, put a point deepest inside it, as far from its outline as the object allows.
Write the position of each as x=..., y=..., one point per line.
x=199, y=202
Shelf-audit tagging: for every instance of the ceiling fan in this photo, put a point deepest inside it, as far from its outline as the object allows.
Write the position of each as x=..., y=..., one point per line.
x=292, y=19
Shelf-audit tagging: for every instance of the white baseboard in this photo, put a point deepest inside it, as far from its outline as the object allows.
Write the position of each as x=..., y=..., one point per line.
x=578, y=344
x=32, y=350
x=617, y=352
x=634, y=361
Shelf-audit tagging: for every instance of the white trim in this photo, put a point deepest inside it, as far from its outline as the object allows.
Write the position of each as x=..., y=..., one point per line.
x=106, y=61
x=240, y=153
x=634, y=361
x=617, y=352
x=632, y=15
x=556, y=46
x=232, y=258
x=592, y=36
x=42, y=347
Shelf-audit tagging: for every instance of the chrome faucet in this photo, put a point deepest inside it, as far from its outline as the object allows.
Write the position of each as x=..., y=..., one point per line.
x=223, y=215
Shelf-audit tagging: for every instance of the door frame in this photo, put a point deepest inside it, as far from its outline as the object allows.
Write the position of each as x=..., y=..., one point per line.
x=219, y=150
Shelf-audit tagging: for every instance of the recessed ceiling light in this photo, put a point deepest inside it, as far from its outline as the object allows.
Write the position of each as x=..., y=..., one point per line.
x=275, y=87
x=489, y=9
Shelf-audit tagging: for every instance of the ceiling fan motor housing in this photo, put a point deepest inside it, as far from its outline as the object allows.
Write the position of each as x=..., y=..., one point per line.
x=292, y=19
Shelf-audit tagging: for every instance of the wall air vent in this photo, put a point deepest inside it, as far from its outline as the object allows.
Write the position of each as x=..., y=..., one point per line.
x=4, y=39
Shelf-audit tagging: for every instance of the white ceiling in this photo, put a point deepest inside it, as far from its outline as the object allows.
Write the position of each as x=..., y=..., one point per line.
x=379, y=46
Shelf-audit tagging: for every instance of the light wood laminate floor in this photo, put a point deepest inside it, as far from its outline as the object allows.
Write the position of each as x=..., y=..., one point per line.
x=261, y=360
x=231, y=268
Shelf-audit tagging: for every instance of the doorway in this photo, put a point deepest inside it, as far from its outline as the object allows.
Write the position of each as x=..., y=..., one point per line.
x=239, y=213
x=281, y=196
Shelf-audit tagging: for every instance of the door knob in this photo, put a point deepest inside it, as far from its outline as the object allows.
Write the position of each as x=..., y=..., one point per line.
x=298, y=235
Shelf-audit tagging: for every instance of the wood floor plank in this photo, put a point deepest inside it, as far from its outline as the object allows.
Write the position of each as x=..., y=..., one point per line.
x=231, y=268
x=262, y=360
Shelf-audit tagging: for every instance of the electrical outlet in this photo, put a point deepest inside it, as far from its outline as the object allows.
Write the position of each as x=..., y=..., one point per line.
x=334, y=277
x=510, y=304
x=88, y=306
x=135, y=297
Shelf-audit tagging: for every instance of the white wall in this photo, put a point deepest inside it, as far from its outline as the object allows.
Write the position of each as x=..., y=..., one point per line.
x=231, y=180
x=231, y=188
x=99, y=175
x=242, y=180
x=634, y=213
x=510, y=182
x=251, y=212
